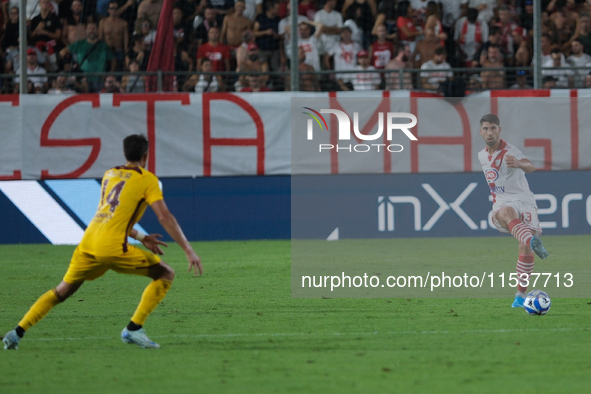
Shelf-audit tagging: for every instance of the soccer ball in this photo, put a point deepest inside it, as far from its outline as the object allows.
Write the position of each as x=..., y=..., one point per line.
x=537, y=303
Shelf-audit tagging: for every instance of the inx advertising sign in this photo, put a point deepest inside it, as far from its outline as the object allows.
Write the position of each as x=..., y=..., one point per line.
x=428, y=205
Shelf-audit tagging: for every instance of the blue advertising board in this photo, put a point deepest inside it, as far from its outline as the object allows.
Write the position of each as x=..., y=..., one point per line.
x=220, y=208
x=428, y=205
x=360, y=206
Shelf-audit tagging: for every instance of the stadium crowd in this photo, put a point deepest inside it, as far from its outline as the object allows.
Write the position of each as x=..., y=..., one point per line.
x=244, y=45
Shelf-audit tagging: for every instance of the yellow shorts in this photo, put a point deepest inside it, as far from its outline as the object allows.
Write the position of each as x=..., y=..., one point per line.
x=85, y=266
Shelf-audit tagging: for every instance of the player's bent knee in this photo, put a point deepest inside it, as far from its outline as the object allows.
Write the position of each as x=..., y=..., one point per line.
x=161, y=271
x=64, y=290
x=169, y=273
x=507, y=214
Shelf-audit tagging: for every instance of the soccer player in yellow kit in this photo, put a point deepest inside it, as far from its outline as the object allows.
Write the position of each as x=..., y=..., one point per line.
x=125, y=193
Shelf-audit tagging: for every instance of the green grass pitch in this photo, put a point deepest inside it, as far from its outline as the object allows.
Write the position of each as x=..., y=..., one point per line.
x=237, y=330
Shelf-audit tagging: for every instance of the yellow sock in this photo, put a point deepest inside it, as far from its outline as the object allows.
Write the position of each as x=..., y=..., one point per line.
x=40, y=308
x=152, y=296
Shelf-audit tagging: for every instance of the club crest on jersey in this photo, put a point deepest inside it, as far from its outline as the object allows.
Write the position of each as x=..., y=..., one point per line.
x=491, y=175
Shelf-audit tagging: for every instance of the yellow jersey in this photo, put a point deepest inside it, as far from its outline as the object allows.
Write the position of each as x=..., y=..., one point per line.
x=125, y=194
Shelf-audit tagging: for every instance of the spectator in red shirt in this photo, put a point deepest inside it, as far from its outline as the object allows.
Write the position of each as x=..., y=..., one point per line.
x=407, y=31
x=218, y=53
x=307, y=8
x=381, y=51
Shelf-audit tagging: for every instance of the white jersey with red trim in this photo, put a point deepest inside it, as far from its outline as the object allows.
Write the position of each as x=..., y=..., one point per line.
x=506, y=183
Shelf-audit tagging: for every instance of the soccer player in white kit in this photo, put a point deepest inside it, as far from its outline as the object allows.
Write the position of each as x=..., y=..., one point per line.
x=514, y=207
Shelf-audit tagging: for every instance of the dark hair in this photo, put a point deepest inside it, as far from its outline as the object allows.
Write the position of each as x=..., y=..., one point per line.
x=472, y=15
x=440, y=51
x=494, y=30
x=432, y=9
x=399, y=48
x=490, y=118
x=388, y=8
x=579, y=41
x=135, y=146
x=556, y=50
x=350, y=14
x=403, y=8
x=270, y=4
x=65, y=61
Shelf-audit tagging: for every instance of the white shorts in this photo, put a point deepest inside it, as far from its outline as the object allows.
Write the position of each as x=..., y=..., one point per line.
x=527, y=213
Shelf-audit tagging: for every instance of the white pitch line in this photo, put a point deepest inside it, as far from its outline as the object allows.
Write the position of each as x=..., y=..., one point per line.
x=305, y=334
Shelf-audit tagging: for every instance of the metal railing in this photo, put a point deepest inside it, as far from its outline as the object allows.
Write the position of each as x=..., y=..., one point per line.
x=462, y=81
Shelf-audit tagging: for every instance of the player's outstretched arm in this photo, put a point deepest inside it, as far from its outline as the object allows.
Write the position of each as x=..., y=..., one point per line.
x=168, y=221
x=526, y=165
x=150, y=241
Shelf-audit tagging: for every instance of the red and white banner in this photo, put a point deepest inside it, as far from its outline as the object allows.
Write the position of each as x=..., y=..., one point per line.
x=80, y=136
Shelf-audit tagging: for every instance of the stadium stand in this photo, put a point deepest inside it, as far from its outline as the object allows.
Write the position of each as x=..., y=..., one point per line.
x=77, y=44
